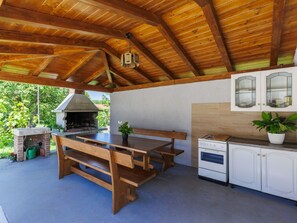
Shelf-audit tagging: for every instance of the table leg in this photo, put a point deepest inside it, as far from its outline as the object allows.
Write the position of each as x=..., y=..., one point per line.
x=145, y=160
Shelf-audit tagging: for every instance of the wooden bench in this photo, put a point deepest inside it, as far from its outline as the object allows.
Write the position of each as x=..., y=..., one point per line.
x=167, y=153
x=119, y=166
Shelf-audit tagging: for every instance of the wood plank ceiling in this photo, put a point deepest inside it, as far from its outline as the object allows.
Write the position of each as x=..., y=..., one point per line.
x=78, y=43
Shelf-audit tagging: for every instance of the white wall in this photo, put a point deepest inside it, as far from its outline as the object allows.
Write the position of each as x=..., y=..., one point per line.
x=167, y=108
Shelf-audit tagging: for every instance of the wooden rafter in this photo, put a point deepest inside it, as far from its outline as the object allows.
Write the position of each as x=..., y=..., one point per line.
x=42, y=66
x=83, y=61
x=11, y=58
x=97, y=73
x=277, y=26
x=194, y=79
x=7, y=76
x=127, y=9
x=211, y=18
x=1, y=2
x=110, y=51
x=124, y=77
x=24, y=16
x=44, y=39
x=106, y=65
x=149, y=56
x=124, y=8
x=8, y=49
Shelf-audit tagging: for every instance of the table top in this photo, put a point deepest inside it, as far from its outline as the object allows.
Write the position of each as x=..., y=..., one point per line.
x=142, y=145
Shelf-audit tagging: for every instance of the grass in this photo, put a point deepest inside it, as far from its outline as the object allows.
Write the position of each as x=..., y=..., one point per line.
x=5, y=152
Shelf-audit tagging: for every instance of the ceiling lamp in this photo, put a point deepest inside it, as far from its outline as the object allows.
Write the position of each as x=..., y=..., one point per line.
x=129, y=59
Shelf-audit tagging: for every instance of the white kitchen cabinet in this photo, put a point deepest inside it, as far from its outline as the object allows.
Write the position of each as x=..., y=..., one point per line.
x=271, y=171
x=270, y=90
x=245, y=166
x=279, y=173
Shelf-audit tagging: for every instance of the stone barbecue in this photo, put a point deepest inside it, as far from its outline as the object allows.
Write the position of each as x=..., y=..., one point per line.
x=77, y=113
x=25, y=137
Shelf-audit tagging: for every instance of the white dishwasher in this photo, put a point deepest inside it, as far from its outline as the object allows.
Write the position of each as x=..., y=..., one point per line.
x=213, y=158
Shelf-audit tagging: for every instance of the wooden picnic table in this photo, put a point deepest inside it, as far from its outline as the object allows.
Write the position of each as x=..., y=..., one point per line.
x=134, y=144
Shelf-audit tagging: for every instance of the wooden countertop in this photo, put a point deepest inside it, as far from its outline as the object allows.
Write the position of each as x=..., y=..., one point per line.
x=263, y=144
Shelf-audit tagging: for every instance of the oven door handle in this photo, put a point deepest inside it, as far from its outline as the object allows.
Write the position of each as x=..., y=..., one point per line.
x=213, y=151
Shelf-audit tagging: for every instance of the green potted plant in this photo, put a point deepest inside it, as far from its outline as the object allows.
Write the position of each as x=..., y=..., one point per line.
x=277, y=126
x=125, y=129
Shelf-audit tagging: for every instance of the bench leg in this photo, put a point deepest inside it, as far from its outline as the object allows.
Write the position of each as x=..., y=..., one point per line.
x=122, y=196
x=167, y=161
x=64, y=168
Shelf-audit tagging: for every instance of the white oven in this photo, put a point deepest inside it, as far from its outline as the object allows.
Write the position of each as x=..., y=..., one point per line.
x=213, y=158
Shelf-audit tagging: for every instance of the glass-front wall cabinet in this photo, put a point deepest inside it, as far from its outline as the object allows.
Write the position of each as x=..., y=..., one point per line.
x=271, y=90
x=245, y=92
x=279, y=90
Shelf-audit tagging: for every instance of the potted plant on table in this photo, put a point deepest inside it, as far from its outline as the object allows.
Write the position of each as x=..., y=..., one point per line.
x=277, y=126
x=125, y=129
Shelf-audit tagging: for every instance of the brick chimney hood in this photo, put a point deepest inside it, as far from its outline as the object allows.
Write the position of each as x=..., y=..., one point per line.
x=76, y=103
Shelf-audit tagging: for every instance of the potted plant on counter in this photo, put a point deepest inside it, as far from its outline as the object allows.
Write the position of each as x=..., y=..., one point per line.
x=277, y=126
x=125, y=129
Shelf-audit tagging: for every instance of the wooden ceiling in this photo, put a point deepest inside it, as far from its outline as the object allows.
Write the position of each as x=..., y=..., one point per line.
x=78, y=43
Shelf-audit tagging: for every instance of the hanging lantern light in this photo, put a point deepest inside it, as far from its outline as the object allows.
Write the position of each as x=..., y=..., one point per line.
x=129, y=59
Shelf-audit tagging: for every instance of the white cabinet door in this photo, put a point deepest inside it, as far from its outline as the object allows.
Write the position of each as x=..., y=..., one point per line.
x=279, y=89
x=279, y=173
x=245, y=166
x=245, y=92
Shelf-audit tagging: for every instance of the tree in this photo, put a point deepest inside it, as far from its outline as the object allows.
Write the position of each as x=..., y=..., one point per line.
x=104, y=115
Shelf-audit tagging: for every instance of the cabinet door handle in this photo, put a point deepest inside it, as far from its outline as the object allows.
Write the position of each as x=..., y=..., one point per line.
x=258, y=154
x=264, y=155
x=264, y=104
x=259, y=104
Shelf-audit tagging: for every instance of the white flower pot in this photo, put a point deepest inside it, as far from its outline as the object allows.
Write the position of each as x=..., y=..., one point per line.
x=276, y=138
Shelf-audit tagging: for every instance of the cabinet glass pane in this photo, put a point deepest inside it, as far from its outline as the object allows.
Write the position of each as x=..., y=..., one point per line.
x=279, y=90
x=245, y=92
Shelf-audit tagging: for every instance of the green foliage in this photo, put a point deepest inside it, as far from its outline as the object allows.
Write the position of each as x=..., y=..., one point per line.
x=276, y=125
x=104, y=115
x=125, y=128
x=18, y=107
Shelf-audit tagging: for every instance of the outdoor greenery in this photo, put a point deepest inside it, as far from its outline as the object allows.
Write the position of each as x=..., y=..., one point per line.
x=103, y=115
x=276, y=125
x=18, y=109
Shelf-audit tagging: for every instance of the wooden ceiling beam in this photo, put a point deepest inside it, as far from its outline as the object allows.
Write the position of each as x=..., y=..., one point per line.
x=1, y=2
x=176, y=45
x=42, y=66
x=11, y=58
x=213, y=23
x=83, y=61
x=8, y=49
x=7, y=76
x=25, y=16
x=121, y=75
x=44, y=39
x=106, y=65
x=126, y=9
x=97, y=73
x=110, y=51
x=194, y=79
x=277, y=26
x=149, y=56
